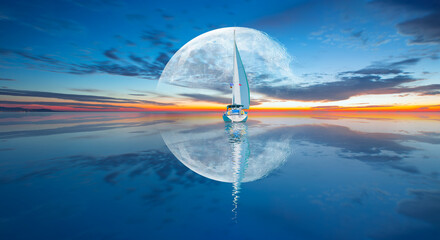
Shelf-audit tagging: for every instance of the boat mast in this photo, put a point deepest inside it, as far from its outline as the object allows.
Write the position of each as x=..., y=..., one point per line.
x=236, y=97
x=233, y=73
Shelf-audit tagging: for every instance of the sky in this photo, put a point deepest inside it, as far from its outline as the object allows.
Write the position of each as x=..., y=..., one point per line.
x=108, y=55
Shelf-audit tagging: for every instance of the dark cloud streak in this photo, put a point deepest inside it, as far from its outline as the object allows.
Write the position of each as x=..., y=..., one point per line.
x=425, y=206
x=424, y=29
x=70, y=104
x=111, y=53
x=347, y=87
x=208, y=98
x=7, y=79
x=75, y=97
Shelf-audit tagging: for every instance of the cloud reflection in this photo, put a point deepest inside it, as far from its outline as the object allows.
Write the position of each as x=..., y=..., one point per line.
x=134, y=171
x=424, y=206
x=386, y=149
x=118, y=168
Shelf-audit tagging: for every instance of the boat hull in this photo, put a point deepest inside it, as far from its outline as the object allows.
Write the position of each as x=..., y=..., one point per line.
x=235, y=118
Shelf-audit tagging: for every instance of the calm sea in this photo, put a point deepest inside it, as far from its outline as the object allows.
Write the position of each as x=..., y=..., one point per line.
x=191, y=176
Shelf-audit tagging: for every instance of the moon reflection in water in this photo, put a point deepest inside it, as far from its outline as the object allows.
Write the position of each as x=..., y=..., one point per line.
x=233, y=152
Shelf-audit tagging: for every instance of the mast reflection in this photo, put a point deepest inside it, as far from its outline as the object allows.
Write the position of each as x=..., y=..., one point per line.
x=237, y=138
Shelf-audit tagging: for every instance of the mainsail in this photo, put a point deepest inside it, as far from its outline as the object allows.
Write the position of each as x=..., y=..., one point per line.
x=240, y=86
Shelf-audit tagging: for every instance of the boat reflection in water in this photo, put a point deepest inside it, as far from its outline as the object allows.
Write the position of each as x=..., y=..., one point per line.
x=237, y=135
x=226, y=152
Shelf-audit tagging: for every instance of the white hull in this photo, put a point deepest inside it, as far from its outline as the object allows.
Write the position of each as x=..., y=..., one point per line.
x=235, y=117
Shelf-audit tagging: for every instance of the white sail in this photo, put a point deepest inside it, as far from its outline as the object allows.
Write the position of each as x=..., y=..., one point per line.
x=240, y=88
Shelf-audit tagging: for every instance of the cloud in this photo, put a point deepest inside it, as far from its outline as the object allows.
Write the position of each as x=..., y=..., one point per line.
x=408, y=169
x=138, y=59
x=373, y=79
x=382, y=42
x=130, y=43
x=385, y=68
x=35, y=57
x=347, y=37
x=138, y=94
x=360, y=35
x=422, y=90
x=208, y=98
x=347, y=87
x=160, y=38
x=156, y=37
x=111, y=53
x=315, y=75
x=424, y=5
x=431, y=93
x=147, y=70
x=424, y=29
x=156, y=103
x=144, y=68
x=125, y=41
x=72, y=105
x=153, y=69
x=75, y=97
x=89, y=90
x=141, y=67
x=433, y=134
x=107, y=67
x=54, y=26
x=7, y=79
x=217, y=99
x=406, y=62
x=167, y=17
x=377, y=71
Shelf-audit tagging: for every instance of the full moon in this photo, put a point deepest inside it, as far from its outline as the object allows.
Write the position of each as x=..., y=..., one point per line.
x=226, y=153
x=204, y=64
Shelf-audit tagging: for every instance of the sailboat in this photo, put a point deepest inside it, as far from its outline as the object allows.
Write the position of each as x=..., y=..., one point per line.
x=240, y=91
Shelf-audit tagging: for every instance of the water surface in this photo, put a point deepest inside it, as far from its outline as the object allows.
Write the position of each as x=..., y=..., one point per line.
x=168, y=176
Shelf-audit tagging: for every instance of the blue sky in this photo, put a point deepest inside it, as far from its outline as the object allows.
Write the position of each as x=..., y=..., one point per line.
x=117, y=49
